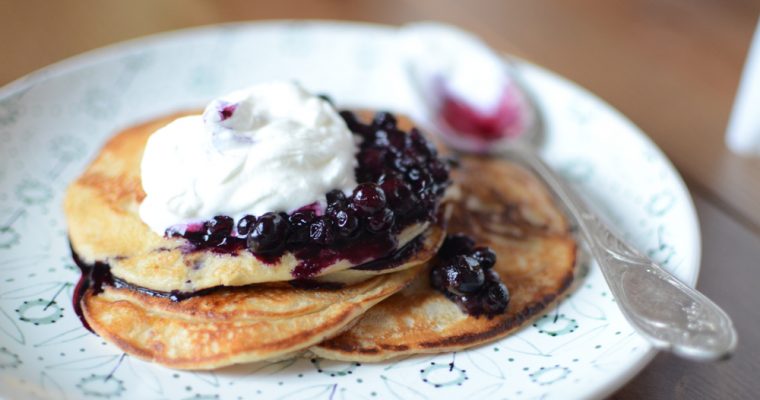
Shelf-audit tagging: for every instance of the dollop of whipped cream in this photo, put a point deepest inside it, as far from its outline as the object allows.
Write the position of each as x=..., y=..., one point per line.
x=271, y=147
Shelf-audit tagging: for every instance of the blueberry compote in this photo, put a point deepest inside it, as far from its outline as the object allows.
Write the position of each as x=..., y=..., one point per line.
x=464, y=274
x=401, y=182
x=93, y=277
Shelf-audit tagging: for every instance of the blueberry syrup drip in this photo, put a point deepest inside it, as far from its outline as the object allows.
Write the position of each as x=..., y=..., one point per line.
x=401, y=183
x=464, y=274
x=95, y=276
x=314, y=258
x=395, y=259
x=310, y=284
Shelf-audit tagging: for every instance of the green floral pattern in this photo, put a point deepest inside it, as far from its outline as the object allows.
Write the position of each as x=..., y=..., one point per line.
x=53, y=122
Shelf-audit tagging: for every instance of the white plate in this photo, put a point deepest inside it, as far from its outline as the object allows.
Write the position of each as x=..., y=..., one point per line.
x=53, y=121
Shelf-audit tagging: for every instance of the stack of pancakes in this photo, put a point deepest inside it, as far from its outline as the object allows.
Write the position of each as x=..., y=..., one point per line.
x=206, y=309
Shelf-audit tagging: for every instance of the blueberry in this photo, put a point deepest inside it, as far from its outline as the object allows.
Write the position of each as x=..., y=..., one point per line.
x=268, y=233
x=485, y=257
x=404, y=163
x=398, y=194
x=426, y=202
x=421, y=145
x=335, y=196
x=495, y=298
x=346, y=222
x=195, y=236
x=301, y=218
x=351, y=121
x=439, y=171
x=220, y=225
x=217, y=230
x=394, y=188
x=414, y=174
x=365, y=175
x=336, y=199
x=397, y=139
x=456, y=244
x=299, y=225
x=381, y=221
x=418, y=179
x=385, y=120
x=373, y=159
x=322, y=231
x=462, y=275
x=245, y=224
x=368, y=198
x=381, y=139
x=416, y=137
x=389, y=175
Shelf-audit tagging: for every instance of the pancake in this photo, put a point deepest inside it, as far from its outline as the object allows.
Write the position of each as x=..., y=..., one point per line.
x=233, y=326
x=104, y=226
x=506, y=208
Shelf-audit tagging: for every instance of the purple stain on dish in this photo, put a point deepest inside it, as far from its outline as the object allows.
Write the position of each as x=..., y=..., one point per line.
x=507, y=118
x=226, y=110
x=219, y=111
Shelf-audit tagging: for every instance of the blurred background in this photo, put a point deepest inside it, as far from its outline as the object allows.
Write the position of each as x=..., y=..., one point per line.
x=671, y=66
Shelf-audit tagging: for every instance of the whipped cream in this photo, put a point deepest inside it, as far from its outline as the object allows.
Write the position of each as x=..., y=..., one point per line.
x=271, y=147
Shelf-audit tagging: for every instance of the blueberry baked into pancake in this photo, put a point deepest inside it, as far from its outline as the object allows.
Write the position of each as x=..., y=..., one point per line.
x=272, y=224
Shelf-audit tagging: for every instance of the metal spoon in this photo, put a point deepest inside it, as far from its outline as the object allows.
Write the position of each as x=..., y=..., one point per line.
x=670, y=314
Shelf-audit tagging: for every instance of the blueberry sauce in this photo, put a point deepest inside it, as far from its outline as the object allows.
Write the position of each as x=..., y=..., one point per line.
x=464, y=274
x=95, y=276
x=401, y=181
x=395, y=259
x=311, y=284
x=314, y=258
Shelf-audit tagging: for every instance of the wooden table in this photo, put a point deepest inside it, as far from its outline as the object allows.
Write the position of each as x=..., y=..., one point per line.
x=672, y=66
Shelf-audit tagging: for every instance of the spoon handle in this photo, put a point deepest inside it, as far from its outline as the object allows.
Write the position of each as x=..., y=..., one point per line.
x=671, y=315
